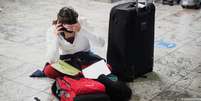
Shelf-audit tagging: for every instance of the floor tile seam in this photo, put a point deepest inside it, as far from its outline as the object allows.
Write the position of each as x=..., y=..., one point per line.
x=19, y=83
x=13, y=58
x=197, y=17
x=190, y=72
x=4, y=78
x=165, y=16
x=165, y=88
x=33, y=95
x=197, y=92
x=23, y=62
x=19, y=76
x=174, y=83
x=186, y=43
x=164, y=34
x=17, y=67
x=37, y=90
x=197, y=67
x=44, y=91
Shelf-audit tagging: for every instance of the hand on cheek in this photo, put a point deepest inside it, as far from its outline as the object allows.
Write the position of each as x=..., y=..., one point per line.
x=74, y=27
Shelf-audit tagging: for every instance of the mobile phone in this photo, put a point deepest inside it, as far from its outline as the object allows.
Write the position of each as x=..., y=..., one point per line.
x=64, y=29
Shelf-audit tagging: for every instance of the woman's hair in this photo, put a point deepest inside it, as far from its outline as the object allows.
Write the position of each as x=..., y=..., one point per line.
x=66, y=15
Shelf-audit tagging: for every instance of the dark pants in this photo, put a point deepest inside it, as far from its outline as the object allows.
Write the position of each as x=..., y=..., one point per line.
x=92, y=97
x=81, y=59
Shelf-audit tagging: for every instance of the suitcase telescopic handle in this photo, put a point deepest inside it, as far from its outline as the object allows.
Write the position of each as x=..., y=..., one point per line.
x=137, y=9
x=137, y=4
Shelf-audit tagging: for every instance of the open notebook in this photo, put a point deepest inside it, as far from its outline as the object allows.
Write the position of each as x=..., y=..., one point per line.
x=96, y=69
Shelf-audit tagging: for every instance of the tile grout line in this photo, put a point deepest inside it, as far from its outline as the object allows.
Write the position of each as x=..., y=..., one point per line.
x=186, y=43
x=25, y=62
x=174, y=84
x=177, y=74
x=37, y=90
x=21, y=84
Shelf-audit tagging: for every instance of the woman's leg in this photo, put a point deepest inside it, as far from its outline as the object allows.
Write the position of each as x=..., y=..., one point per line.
x=50, y=72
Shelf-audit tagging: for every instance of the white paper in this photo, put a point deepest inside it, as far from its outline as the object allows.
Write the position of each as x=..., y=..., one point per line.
x=140, y=5
x=96, y=69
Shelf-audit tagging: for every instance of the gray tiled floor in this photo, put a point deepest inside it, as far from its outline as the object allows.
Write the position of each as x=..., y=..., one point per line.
x=23, y=23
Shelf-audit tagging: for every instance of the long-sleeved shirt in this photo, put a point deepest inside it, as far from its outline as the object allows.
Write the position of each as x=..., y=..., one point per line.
x=57, y=45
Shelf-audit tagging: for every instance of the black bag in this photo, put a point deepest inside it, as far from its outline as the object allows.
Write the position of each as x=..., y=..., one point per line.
x=92, y=97
x=81, y=58
x=117, y=90
x=131, y=40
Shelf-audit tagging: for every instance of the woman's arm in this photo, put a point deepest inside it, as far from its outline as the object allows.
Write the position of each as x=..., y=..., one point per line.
x=52, y=46
x=97, y=40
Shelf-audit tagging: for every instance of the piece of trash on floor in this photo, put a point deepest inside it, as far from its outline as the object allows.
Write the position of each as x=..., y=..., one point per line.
x=164, y=44
x=37, y=99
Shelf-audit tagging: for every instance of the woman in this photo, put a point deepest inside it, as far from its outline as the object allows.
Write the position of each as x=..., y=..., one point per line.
x=69, y=41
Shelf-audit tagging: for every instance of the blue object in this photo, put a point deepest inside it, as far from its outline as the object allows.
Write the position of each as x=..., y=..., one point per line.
x=37, y=73
x=162, y=44
x=112, y=77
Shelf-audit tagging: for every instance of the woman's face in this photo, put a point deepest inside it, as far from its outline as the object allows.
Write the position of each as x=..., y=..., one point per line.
x=72, y=27
x=69, y=27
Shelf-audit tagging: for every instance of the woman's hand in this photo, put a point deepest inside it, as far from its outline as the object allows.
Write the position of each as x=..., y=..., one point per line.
x=76, y=27
x=57, y=29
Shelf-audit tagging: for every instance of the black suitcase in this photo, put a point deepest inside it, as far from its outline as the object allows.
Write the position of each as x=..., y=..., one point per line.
x=131, y=40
